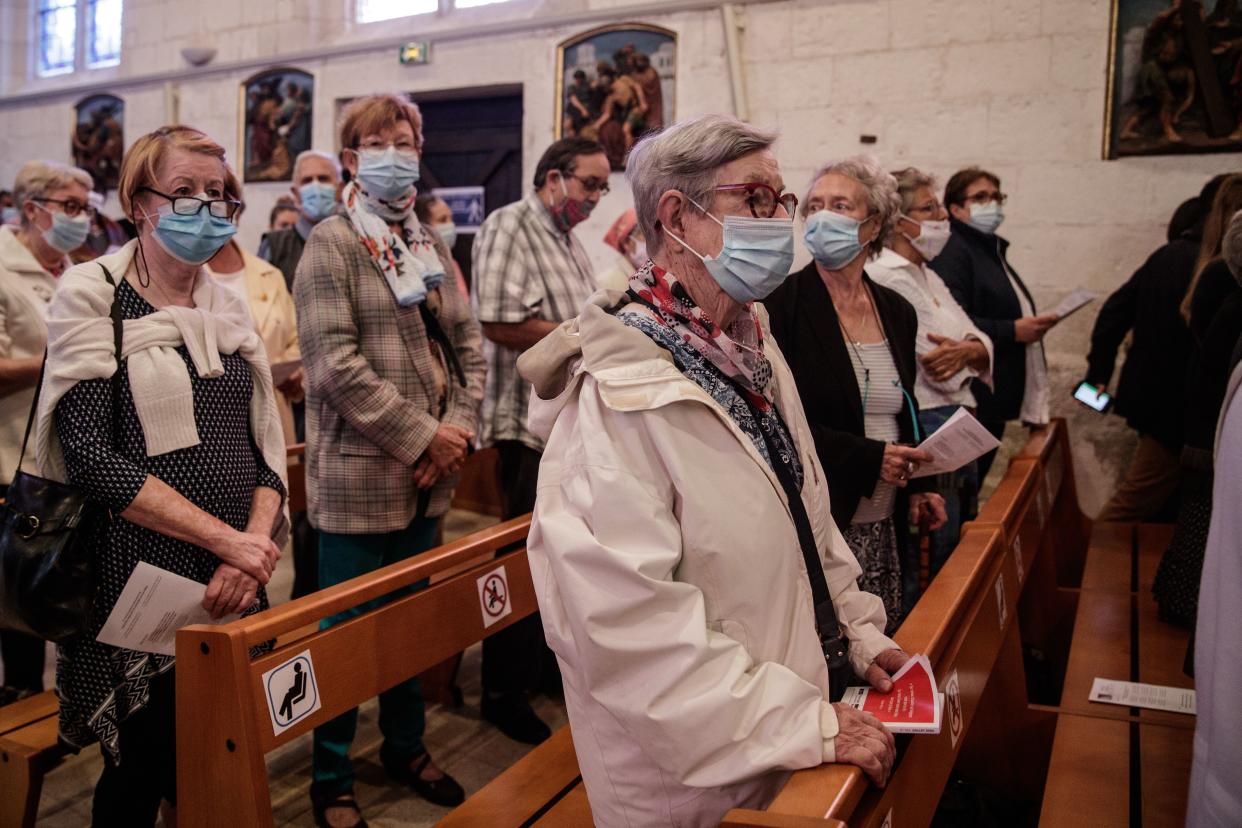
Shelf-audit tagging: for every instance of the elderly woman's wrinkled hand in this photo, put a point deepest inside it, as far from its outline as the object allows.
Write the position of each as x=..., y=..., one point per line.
x=253, y=553
x=863, y=741
x=230, y=591
x=900, y=463
x=880, y=674
x=927, y=511
x=947, y=358
x=449, y=447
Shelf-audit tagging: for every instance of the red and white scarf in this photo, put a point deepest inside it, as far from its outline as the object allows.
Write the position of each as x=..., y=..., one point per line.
x=737, y=350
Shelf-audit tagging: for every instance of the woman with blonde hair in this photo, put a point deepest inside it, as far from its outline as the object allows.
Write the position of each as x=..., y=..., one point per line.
x=53, y=202
x=394, y=379
x=175, y=432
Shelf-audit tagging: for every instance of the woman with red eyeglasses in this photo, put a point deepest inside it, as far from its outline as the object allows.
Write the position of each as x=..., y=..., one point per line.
x=850, y=345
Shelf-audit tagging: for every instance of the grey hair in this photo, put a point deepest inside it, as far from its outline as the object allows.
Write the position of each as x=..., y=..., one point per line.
x=910, y=181
x=687, y=157
x=314, y=153
x=37, y=178
x=881, y=187
x=1231, y=246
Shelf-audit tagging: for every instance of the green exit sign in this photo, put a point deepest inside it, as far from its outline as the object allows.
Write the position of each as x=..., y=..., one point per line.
x=418, y=51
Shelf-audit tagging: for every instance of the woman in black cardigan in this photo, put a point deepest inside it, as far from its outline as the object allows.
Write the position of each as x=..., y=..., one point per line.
x=850, y=344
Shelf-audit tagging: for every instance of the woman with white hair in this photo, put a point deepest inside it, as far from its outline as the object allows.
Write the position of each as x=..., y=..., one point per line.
x=55, y=217
x=850, y=346
x=700, y=601
x=951, y=349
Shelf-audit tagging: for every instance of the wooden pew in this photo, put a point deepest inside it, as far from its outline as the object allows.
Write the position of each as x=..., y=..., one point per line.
x=1111, y=765
x=225, y=726
x=970, y=623
x=28, y=750
x=528, y=792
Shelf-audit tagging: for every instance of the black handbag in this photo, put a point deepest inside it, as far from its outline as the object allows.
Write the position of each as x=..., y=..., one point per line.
x=47, y=583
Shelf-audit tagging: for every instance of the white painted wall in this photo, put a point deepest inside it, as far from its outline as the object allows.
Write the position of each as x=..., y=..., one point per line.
x=1014, y=85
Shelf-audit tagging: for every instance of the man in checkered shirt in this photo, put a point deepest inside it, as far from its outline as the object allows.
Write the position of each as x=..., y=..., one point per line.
x=530, y=273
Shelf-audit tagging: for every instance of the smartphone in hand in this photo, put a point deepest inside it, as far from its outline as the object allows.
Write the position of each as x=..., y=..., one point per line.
x=1093, y=398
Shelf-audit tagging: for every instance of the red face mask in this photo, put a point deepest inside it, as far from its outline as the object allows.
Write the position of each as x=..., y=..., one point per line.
x=570, y=212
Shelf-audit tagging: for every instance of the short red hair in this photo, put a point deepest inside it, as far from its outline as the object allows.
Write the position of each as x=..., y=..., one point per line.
x=375, y=113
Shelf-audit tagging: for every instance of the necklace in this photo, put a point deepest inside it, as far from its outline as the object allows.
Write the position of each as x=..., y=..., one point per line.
x=157, y=284
x=856, y=343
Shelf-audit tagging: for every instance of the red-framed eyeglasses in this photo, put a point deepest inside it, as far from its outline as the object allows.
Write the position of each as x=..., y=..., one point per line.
x=762, y=199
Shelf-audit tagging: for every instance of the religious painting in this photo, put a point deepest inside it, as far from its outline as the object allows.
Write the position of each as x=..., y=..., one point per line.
x=614, y=84
x=276, y=111
x=1175, y=78
x=98, y=139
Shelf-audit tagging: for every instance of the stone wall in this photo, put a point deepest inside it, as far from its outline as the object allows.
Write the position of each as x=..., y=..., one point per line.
x=1017, y=86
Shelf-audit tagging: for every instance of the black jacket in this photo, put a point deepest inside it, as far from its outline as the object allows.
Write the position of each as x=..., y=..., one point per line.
x=1212, y=362
x=1150, y=393
x=973, y=266
x=283, y=248
x=804, y=323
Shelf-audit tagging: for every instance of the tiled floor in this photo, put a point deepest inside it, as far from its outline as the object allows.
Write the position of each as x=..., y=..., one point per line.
x=468, y=748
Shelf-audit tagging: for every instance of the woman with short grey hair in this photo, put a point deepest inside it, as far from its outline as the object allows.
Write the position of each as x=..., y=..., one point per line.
x=55, y=218
x=679, y=499
x=850, y=345
x=952, y=351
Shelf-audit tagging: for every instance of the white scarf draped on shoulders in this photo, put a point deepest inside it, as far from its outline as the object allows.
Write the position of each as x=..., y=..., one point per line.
x=81, y=347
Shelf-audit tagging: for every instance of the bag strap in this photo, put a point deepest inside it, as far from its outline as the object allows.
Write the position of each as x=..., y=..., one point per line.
x=118, y=330
x=116, y=375
x=825, y=613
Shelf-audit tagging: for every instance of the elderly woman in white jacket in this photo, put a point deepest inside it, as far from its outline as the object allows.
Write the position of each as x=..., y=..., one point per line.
x=952, y=351
x=667, y=557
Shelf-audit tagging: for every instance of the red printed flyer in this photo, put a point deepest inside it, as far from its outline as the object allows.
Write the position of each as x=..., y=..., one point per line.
x=913, y=705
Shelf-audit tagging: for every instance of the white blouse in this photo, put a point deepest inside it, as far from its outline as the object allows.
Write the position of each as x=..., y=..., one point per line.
x=939, y=313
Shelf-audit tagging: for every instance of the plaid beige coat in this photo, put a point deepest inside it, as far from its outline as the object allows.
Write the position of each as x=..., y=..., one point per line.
x=373, y=385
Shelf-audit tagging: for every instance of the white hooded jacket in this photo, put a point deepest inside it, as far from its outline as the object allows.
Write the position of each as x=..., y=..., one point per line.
x=671, y=583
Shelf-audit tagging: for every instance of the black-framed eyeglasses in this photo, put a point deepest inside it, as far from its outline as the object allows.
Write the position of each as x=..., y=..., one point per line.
x=985, y=197
x=762, y=199
x=69, y=206
x=225, y=208
x=591, y=185
x=929, y=209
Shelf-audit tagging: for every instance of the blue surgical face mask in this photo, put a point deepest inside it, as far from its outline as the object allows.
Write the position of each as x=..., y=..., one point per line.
x=755, y=257
x=833, y=238
x=986, y=217
x=318, y=200
x=192, y=239
x=448, y=232
x=66, y=233
x=387, y=174
x=8, y=215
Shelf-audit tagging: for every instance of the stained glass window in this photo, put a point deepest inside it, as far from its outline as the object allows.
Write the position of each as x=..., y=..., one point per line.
x=58, y=29
x=103, y=21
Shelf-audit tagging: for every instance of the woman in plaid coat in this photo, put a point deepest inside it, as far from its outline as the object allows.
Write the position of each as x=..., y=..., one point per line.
x=394, y=377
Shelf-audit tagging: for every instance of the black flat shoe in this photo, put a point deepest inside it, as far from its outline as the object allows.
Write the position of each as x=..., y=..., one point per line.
x=320, y=805
x=513, y=716
x=443, y=791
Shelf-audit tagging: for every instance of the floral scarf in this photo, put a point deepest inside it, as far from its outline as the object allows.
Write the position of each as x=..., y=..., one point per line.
x=410, y=274
x=737, y=351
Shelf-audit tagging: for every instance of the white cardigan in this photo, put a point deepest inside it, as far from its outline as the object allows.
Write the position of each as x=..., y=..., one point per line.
x=81, y=347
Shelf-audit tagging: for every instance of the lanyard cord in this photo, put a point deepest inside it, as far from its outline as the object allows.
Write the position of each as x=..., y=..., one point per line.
x=849, y=340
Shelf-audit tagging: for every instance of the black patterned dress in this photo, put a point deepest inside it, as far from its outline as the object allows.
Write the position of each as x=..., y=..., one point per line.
x=100, y=685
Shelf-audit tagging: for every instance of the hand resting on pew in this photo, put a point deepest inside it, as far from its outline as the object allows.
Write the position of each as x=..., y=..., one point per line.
x=863, y=741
